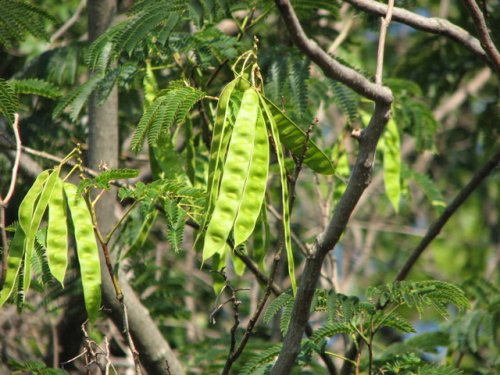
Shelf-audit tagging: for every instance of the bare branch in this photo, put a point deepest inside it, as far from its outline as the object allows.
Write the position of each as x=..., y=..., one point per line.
x=328, y=64
x=458, y=97
x=436, y=227
x=327, y=240
x=433, y=25
x=360, y=178
x=384, y=25
x=484, y=33
x=67, y=25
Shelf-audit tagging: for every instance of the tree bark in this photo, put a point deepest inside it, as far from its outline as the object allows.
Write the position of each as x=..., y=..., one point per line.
x=155, y=353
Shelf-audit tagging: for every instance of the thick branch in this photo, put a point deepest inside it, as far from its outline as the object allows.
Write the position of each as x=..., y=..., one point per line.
x=432, y=25
x=327, y=240
x=329, y=65
x=358, y=182
x=484, y=33
x=436, y=227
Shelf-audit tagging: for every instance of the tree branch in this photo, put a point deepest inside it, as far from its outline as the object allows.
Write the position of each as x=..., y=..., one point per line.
x=432, y=25
x=67, y=25
x=484, y=33
x=326, y=241
x=436, y=227
x=384, y=25
x=330, y=66
x=359, y=180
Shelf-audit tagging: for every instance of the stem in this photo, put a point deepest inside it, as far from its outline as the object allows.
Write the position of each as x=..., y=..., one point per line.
x=120, y=222
x=381, y=42
x=484, y=34
x=341, y=357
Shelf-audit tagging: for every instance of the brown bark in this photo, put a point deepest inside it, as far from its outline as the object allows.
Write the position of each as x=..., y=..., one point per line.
x=155, y=353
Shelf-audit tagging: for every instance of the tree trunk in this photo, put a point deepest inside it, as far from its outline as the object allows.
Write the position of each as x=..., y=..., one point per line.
x=155, y=354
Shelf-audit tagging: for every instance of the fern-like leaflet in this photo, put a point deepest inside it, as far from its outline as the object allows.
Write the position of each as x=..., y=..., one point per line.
x=19, y=18
x=169, y=107
x=8, y=100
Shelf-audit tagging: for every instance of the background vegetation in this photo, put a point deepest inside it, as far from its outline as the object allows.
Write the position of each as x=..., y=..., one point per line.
x=395, y=237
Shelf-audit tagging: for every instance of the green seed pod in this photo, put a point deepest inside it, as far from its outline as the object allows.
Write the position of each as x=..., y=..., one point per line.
x=87, y=250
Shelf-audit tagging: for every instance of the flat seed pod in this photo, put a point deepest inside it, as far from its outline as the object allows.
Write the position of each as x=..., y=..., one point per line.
x=234, y=178
x=255, y=188
x=36, y=219
x=14, y=262
x=284, y=191
x=57, y=233
x=220, y=140
x=294, y=138
x=27, y=206
x=87, y=250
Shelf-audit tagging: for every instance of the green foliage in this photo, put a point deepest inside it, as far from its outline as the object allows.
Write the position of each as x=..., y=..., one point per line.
x=260, y=360
x=277, y=304
x=412, y=113
x=420, y=294
x=176, y=218
x=8, y=100
x=19, y=18
x=77, y=98
x=9, y=90
x=330, y=330
x=35, y=87
x=168, y=108
x=103, y=181
x=346, y=99
x=144, y=18
x=188, y=47
x=428, y=187
x=34, y=368
x=208, y=44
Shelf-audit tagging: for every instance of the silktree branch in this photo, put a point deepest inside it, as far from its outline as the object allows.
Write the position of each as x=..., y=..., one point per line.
x=484, y=33
x=432, y=25
x=67, y=25
x=436, y=227
x=454, y=101
x=384, y=25
x=332, y=68
x=359, y=180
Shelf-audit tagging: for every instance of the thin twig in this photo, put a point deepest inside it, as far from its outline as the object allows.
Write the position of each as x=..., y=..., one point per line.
x=432, y=25
x=484, y=33
x=436, y=227
x=384, y=25
x=118, y=291
x=130, y=342
x=67, y=25
x=346, y=27
x=119, y=223
x=359, y=180
x=88, y=171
